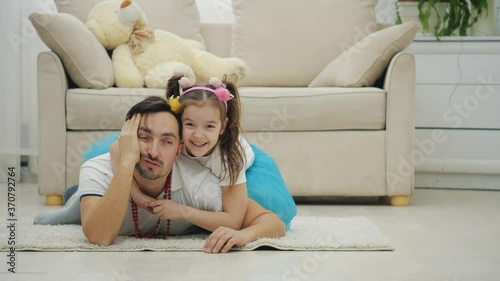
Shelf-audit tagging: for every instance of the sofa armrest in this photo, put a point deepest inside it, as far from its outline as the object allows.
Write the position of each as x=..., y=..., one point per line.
x=52, y=87
x=400, y=124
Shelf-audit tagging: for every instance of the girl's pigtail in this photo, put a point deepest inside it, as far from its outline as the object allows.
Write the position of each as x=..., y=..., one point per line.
x=173, y=88
x=173, y=93
x=229, y=142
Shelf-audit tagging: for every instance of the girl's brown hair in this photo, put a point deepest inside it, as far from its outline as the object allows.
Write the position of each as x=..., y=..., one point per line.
x=229, y=143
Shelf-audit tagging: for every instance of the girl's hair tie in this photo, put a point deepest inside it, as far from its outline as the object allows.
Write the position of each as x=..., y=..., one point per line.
x=175, y=104
x=216, y=83
x=184, y=82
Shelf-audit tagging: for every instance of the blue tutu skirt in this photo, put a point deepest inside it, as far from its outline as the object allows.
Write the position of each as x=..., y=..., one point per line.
x=266, y=186
x=99, y=146
x=264, y=182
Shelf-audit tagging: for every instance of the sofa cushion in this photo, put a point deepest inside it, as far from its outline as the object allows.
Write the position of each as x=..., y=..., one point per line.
x=264, y=109
x=179, y=17
x=287, y=43
x=84, y=58
x=108, y=107
x=362, y=64
x=312, y=109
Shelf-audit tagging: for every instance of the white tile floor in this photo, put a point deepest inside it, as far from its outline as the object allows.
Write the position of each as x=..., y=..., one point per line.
x=445, y=235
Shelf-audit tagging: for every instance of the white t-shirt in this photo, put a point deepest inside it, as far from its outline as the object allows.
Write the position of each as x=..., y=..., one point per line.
x=192, y=185
x=213, y=162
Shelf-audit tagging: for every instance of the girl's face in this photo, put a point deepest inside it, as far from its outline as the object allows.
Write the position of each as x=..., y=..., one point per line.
x=201, y=128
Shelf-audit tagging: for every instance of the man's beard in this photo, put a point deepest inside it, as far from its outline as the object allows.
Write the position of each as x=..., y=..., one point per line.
x=147, y=173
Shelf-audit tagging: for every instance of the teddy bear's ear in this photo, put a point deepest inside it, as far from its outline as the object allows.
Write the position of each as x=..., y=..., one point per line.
x=95, y=28
x=232, y=78
x=125, y=4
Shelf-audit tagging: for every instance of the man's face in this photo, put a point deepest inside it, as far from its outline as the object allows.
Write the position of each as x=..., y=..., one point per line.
x=159, y=142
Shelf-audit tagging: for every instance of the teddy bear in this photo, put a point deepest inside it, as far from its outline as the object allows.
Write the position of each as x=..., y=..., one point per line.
x=145, y=57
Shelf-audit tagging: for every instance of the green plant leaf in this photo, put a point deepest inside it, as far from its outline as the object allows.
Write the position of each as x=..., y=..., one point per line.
x=459, y=16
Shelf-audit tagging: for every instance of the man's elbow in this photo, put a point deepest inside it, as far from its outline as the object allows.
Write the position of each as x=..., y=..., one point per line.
x=98, y=238
x=100, y=241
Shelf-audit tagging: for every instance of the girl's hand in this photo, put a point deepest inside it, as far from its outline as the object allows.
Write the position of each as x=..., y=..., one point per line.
x=224, y=238
x=166, y=209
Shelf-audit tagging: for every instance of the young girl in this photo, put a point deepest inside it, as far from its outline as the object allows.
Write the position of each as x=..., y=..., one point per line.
x=211, y=136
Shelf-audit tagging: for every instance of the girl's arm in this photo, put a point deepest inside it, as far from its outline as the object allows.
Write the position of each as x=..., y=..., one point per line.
x=234, y=204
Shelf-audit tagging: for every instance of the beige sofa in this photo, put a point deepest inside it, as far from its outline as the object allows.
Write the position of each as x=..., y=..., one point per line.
x=328, y=141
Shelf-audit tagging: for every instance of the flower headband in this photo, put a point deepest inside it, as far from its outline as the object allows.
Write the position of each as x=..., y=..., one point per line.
x=220, y=91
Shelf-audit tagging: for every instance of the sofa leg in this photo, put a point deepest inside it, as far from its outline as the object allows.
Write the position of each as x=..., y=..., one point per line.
x=53, y=199
x=399, y=201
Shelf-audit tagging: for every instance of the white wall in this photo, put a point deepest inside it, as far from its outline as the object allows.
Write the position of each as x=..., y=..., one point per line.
x=221, y=10
x=386, y=11
x=10, y=100
x=10, y=78
x=215, y=10
x=20, y=47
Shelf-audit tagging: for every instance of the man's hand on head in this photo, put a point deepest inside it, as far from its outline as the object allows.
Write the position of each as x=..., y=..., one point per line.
x=129, y=142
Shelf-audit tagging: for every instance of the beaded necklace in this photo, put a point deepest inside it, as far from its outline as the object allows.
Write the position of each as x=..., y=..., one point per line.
x=135, y=216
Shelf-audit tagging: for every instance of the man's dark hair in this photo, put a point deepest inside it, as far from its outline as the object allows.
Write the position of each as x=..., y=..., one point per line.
x=154, y=104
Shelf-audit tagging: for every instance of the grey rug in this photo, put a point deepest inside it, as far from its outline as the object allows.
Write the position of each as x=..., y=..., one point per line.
x=305, y=234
